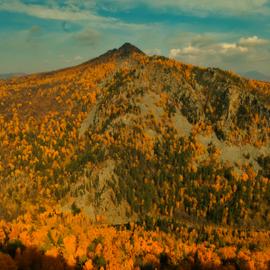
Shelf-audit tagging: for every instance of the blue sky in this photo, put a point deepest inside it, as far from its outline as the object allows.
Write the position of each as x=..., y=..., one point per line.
x=41, y=35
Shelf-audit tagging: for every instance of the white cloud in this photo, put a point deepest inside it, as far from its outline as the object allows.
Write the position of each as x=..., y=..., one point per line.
x=45, y=12
x=209, y=6
x=71, y=12
x=85, y=10
x=232, y=47
x=253, y=41
x=174, y=53
x=228, y=46
x=213, y=44
x=190, y=50
x=197, y=7
x=155, y=51
x=210, y=49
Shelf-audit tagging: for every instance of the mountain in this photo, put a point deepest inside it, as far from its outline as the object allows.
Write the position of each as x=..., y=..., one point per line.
x=100, y=133
x=253, y=74
x=127, y=139
x=10, y=75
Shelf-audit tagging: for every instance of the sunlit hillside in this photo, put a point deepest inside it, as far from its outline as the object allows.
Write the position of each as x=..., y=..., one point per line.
x=130, y=161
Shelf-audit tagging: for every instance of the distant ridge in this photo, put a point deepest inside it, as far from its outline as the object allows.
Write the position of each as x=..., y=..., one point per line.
x=255, y=75
x=11, y=75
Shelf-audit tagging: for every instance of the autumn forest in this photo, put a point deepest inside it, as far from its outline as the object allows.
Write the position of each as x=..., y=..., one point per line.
x=130, y=161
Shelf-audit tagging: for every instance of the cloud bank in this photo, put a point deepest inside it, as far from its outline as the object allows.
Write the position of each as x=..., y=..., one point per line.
x=244, y=53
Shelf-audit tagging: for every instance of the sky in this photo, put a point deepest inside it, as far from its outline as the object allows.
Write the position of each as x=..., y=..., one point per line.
x=43, y=35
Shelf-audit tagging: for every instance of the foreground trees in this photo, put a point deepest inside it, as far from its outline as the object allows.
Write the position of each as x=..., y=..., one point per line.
x=59, y=240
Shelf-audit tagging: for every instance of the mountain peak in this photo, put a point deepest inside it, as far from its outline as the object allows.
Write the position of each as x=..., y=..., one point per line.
x=127, y=49
x=124, y=51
